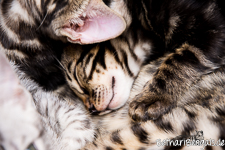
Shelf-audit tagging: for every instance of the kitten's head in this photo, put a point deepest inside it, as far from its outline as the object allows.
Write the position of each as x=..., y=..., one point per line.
x=100, y=75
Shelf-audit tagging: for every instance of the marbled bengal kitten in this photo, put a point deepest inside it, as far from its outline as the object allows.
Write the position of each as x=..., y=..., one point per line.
x=33, y=34
x=188, y=84
x=191, y=32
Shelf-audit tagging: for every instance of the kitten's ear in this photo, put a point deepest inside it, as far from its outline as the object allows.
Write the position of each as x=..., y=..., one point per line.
x=101, y=24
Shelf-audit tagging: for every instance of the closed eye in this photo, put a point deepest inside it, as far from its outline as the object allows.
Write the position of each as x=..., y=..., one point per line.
x=84, y=91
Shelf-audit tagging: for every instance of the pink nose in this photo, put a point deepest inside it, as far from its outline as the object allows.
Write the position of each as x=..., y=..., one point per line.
x=101, y=97
x=101, y=104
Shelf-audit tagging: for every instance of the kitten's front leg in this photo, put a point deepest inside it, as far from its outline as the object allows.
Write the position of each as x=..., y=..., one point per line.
x=175, y=75
x=149, y=105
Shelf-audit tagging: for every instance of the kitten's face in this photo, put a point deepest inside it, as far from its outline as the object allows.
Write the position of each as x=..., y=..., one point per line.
x=100, y=77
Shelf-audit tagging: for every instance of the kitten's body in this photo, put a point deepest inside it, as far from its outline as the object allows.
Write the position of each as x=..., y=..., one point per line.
x=186, y=91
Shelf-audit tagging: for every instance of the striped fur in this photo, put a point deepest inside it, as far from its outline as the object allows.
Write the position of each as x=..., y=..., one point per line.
x=33, y=34
x=187, y=61
x=178, y=33
x=129, y=134
x=31, y=39
x=66, y=123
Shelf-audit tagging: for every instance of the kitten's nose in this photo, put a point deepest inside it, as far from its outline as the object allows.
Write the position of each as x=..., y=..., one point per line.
x=102, y=95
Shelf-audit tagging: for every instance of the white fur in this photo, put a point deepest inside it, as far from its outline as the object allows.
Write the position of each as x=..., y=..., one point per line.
x=17, y=11
x=62, y=129
x=19, y=121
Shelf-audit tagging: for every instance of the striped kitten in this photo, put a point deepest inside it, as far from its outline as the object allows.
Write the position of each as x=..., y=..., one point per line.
x=185, y=93
x=190, y=33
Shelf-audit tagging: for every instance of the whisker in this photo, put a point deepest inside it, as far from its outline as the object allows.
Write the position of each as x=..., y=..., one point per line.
x=60, y=63
x=42, y=21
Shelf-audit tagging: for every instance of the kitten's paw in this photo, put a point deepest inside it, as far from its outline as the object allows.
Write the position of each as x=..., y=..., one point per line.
x=146, y=107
